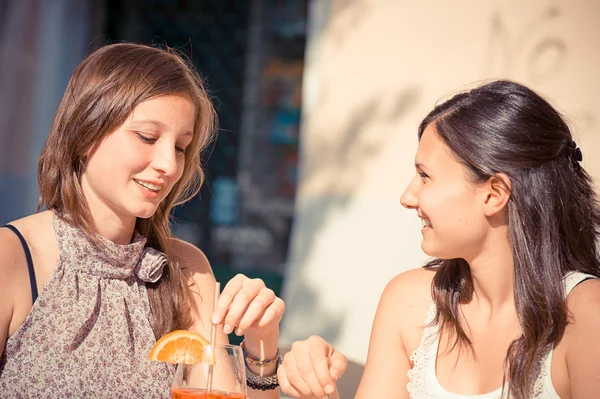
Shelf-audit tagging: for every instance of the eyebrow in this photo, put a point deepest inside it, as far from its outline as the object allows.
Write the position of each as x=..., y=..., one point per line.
x=156, y=123
x=423, y=167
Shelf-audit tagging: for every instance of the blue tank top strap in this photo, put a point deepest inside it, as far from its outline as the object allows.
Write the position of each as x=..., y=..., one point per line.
x=32, y=281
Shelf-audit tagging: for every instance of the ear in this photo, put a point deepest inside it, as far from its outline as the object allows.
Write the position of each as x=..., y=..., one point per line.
x=497, y=193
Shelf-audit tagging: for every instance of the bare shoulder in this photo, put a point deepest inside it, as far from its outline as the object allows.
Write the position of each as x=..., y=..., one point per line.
x=190, y=257
x=411, y=288
x=12, y=264
x=581, y=340
x=15, y=291
x=34, y=229
x=35, y=224
x=405, y=301
x=201, y=280
x=583, y=304
x=38, y=231
x=11, y=250
x=194, y=265
x=584, y=318
x=417, y=278
x=409, y=294
x=8, y=247
x=396, y=333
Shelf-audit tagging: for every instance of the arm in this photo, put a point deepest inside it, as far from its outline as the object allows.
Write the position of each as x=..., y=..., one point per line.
x=396, y=332
x=201, y=279
x=14, y=285
x=245, y=306
x=313, y=365
x=581, y=336
x=6, y=304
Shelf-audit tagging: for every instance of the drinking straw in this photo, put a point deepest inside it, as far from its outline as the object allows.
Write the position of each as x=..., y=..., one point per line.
x=213, y=337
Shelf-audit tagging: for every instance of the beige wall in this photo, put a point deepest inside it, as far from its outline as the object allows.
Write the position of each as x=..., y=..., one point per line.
x=374, y=69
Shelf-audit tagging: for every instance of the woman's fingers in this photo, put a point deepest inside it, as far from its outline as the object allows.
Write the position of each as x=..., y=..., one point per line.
x=294, y=376
x=318, y=357
x=338, y=364
x=306, y=368
x=272, y=314
x=284, y=383
x=256, y=310
x=247, y=304
x=227, y=297
x=311, y=369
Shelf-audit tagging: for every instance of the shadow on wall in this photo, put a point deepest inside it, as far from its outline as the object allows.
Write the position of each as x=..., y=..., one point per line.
x=340, y=168
x=344, y=162
x=537, y=51
x=345, y=165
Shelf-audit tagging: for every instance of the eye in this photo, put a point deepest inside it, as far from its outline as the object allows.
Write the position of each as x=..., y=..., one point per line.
x=180, y=150
x=424, y=175
x=146, y=139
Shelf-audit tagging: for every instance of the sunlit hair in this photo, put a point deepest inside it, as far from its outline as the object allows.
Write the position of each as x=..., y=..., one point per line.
x=101, y=94
x=553, y=214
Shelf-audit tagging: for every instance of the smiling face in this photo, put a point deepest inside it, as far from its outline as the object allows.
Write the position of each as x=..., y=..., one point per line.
x=133, y=168
x=450, y=206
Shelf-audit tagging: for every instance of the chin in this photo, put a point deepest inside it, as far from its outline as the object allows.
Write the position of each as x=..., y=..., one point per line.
x=144, y=216
x=427, y=249
x=145, y=213
x=431, y=250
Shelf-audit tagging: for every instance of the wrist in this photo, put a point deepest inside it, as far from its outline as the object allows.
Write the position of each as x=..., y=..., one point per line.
x=261, y=374
x=262, y=346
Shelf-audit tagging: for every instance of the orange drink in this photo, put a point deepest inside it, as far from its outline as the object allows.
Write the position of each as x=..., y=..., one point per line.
x=223, y=378
x=190, y=393
x=203, y=371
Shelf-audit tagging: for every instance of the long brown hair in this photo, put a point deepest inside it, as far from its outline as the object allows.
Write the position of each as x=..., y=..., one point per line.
x=102, y=92
x=553, y=214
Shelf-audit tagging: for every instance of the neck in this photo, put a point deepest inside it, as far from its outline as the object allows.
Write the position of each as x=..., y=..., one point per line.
x=492, y=270
x=117, y=228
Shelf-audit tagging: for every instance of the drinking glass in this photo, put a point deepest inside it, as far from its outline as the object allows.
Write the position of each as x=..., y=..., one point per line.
x=228, y=377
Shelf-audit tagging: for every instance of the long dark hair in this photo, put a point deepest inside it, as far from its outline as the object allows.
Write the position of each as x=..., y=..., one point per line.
x=102, y=92
x=553, y=214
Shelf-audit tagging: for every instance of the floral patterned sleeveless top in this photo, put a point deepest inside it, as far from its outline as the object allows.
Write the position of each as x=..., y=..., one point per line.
x=88, y=333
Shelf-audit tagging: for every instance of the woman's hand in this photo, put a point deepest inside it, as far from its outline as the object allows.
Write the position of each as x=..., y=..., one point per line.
x=248, y=307
x=311, y=369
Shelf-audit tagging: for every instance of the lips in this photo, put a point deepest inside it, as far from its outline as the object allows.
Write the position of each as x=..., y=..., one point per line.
x=425, y=222
x=152, y=186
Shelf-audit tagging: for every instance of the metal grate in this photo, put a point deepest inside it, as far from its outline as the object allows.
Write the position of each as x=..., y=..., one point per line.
x=213, y=35
x=251, y=54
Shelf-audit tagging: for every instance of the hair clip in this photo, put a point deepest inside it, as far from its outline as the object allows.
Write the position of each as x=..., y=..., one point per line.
x=577, y=154
x=575, y=151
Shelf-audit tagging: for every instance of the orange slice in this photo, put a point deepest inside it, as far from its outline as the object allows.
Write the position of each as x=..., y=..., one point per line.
x=181, y=346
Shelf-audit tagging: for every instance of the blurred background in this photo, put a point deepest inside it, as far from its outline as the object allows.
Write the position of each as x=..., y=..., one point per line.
x=251, y=54
x=318, y=102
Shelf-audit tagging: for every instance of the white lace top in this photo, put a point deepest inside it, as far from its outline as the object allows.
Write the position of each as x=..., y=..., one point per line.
x=423, y=382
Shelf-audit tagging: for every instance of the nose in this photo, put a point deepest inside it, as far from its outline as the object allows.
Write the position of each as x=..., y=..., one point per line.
x=165, y=160
x=409, y=198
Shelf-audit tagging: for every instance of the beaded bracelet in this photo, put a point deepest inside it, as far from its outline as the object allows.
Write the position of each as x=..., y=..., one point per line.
x=258, y=382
